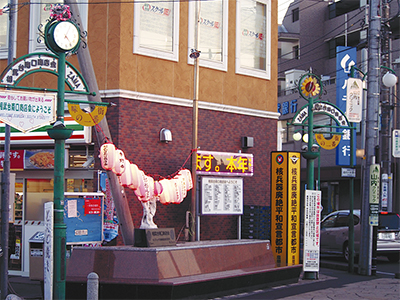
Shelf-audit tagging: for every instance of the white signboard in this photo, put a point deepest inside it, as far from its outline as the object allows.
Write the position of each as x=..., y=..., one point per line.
x=354, y=100
x=222, y=196
x=48, y=250
x=348, y=172
x=374, y=182
x=396, y=143
x=312, y=220
x=27, y=111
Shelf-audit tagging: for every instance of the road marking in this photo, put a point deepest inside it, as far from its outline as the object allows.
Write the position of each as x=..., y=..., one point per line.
x=385, y=273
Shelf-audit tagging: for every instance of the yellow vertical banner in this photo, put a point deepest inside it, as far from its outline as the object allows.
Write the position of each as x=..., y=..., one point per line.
x=285, y=207
x=279, y=207
x=293, y=208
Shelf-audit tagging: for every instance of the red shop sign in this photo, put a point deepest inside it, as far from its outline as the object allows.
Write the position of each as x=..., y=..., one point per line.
x=16, y=160
x=92, y=206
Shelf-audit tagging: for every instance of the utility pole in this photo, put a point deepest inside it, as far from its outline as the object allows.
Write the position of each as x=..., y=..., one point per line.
x=5, y=184
x=118, y=192
x=386, y=196
x=371, y=133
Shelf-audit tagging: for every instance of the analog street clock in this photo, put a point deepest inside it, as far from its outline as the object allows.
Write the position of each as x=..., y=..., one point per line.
x=63, y=36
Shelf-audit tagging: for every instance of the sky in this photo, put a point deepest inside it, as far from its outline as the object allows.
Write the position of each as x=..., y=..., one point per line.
x=282, y=7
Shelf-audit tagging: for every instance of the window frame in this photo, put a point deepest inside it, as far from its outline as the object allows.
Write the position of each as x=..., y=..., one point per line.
x=212, y=64
x=264, y=74
x=295, y=14
x=4, y=50
x=137, y=49
x=34, y=21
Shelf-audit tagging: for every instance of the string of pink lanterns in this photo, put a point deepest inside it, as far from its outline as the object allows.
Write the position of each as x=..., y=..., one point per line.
x=167, y=191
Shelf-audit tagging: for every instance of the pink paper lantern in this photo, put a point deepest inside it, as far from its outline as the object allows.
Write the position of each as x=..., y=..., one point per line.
x=136, y=177
x=107, y=156
x=119, y=163
x=165, y=196
x=146, y=189
x=188, y=176
x=126, y=178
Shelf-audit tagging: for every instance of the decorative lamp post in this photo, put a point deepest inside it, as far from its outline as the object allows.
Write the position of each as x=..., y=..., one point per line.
x=310, y=89
x=61, y=36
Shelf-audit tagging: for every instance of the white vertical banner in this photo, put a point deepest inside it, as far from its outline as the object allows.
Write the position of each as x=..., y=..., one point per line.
x=312, y=220
x=48, y=250
x=354, y=100
x=396, y=143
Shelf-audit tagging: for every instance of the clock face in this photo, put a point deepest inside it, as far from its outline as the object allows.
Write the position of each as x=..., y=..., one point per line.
x=66, y=35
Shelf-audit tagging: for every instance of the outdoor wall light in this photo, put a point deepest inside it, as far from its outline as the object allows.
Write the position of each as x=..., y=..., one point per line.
x=165, y=135
x=389, y=80
x=247, y=142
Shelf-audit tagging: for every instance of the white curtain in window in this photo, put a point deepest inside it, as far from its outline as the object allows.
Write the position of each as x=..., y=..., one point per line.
x=253, y=35
x=157, y=25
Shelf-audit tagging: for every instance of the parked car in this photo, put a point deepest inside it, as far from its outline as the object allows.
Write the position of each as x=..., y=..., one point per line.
x=335, y=234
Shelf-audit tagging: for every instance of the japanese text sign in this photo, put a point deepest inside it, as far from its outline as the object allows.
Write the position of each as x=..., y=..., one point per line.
x=224, y=164
x=354, y=100
x=374, y=189
x=16, y=160
x=285, y=210
x=27, y=111
x=346, y=57
x=222, y=196
x=312, y=220
x=92, y=206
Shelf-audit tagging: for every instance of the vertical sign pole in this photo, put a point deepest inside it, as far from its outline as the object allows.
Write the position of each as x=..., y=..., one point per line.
x=48, y=250
x=59, y=158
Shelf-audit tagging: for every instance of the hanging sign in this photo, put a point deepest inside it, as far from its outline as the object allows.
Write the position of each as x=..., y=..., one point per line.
x=87, y=118
x=328, y=144
x=27, y=111
x=354, y=100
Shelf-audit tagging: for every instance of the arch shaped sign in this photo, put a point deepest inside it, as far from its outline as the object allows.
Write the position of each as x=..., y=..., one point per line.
x=41, y=62
x=321, y=107
x=327, y=108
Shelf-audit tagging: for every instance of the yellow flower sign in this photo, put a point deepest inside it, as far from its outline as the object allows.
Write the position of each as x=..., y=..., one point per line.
x=310, y=87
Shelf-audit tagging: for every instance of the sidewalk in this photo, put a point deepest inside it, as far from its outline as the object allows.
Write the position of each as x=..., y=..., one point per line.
x=333, y=283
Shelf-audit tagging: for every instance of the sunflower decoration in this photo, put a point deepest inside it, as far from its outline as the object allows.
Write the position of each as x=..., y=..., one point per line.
x=310, y=87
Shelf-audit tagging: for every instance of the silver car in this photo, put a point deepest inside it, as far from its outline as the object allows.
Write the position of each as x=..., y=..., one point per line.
x=335, y=234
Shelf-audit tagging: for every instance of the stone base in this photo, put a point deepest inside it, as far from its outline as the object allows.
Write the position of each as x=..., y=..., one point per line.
x=185, y=270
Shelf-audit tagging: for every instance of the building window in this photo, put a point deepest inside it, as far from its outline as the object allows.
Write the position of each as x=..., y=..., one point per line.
x=4, y=32
x=40, y=14
x=213, y=33
x=295, y=15
x=296, y=52
x=253, y=38
x=156, y=29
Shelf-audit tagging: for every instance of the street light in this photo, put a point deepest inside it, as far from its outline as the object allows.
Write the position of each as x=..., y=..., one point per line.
x=389, y=79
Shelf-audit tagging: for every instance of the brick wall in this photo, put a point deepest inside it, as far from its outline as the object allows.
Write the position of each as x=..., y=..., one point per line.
x=135, y=127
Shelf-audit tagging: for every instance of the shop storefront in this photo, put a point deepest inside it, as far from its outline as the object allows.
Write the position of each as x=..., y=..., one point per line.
x=32, y=162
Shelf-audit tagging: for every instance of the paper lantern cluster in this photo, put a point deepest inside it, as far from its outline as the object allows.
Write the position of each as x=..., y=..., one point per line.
x=167, y=191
